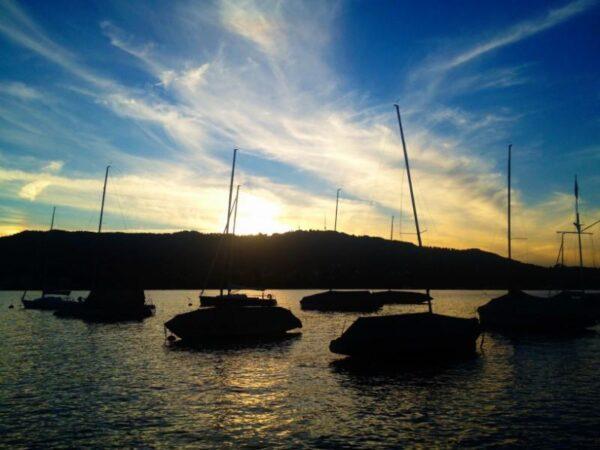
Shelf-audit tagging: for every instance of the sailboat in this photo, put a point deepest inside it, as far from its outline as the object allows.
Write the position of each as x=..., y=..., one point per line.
x=517, y=311
x=341, y=301
x=108, y=304
x=230, y=298
x=408, y=336
x=51, y=299
x=233, y=317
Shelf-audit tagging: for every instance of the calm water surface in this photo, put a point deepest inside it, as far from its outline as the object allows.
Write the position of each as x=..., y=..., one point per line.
x=64, y=383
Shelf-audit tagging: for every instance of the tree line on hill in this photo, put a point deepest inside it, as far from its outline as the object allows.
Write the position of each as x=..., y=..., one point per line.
x=300, y=259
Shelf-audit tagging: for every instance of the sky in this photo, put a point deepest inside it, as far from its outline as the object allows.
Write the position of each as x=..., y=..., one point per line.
x=163, y=92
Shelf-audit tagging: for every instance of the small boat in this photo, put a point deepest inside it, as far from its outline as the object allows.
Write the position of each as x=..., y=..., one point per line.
x=108, y=305
x=341, y=301
x=391, y=297
x=407, y=337
x=49, y=301
x=401, y=337
x=232, y=299
x=518, y=311
x=233, y=319
x=206, y=325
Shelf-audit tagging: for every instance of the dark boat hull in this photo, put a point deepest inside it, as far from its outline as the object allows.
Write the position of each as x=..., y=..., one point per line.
x=236, y=300
x=213, y=324
x=401, y=297
x=341, y=301
x=102, y=315
x=525, y=313
x=408, y=337
x=108, y=305
x=45, y=303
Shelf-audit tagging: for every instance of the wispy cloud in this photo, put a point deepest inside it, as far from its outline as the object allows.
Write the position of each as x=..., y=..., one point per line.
x=280, y=100
x=519, y=32
x=19, y=90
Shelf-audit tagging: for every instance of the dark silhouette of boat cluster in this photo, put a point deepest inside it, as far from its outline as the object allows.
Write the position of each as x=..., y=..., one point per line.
x=361, y=301
x=517, y=311
x=232, y=317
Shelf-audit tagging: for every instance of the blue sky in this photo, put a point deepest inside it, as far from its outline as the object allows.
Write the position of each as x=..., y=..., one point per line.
x=164, y=90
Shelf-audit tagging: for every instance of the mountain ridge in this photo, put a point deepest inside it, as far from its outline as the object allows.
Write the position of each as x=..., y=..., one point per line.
x=296, y=259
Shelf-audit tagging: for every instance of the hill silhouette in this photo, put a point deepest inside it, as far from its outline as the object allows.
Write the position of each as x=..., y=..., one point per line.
x=300, y=259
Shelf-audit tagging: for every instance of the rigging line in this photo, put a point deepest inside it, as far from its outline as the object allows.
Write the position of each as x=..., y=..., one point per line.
x=401, y=201
x=212, y=264
x=117, y=194
x=593, y=246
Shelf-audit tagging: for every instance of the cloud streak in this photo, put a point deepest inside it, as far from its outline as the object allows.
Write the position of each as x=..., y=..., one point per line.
x=280, y=101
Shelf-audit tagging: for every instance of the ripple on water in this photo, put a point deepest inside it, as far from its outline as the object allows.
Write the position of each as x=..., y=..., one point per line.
x=69, y=384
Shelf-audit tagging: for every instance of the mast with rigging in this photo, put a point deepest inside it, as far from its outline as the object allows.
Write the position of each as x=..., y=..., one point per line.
x=412, y=194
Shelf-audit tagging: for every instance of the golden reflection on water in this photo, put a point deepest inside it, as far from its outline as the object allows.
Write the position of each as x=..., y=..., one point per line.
x=78, y=385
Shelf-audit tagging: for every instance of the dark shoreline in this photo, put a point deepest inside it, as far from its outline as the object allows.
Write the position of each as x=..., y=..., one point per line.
x=294, y=260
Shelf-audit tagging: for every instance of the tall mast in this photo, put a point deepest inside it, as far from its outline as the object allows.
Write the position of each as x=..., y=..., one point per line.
x=410, y=185
x=337, y=201
x=392, y=230
x=228, y=270
x=103, y=198
x=412, y=194
x=230, y=190
x=52, y=221
x=578, y=228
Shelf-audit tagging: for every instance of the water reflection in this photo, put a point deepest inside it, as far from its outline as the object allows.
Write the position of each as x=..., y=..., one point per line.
x=71, y=384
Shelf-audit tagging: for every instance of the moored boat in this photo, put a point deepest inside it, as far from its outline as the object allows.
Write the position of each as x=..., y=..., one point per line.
x=402, y=337
x=232, y=299
x=399, y=337
x=49, y=301
x=341, y=301
x=233, y=317
x=392, y=297
x=211, y=324
x=105, y=303
x=518, y=311
x=109, y=305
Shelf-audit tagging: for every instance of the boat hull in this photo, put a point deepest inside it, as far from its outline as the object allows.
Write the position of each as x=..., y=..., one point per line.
x=403, y=337
x=525, y=313
x=341, y=301
x=45, y=303
x=210, y=324
x=235, y=300
x=107, y=305
x=401, y=297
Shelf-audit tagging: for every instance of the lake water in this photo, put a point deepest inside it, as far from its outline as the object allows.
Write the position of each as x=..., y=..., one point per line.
x=64, y=383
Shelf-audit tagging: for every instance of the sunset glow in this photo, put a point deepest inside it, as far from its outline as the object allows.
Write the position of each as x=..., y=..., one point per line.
x=310, y=108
